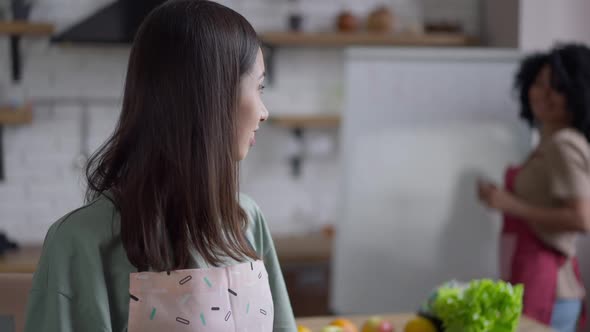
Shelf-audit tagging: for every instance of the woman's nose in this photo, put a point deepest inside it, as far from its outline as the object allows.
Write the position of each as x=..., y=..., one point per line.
x=264, y=115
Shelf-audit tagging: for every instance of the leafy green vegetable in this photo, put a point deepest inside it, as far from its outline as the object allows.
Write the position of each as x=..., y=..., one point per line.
x=482, y=306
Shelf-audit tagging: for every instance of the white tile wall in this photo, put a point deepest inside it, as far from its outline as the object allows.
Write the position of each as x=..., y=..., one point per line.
x=43, y=181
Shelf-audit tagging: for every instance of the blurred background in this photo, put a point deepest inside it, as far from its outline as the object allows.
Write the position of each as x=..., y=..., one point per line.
x=383, y=114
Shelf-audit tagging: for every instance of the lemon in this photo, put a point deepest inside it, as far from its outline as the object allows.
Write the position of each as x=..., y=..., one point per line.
x=420, y=324
x=302, y=328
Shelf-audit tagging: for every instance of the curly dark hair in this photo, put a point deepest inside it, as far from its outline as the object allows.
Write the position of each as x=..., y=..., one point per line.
x=570, y=71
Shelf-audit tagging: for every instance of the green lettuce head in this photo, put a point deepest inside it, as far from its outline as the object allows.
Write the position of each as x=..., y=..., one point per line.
x=480, y=306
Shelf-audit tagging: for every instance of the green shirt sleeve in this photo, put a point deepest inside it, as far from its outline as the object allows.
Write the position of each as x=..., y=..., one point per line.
x=50, y=307
x=284, y=320
x=47, y=309
x=81, y=282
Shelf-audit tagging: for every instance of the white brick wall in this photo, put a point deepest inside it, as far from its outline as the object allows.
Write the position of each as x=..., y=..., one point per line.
x=43, y=181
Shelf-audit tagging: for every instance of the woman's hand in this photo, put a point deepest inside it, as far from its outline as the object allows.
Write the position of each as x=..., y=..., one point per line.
x=494, y=197
x=573, y=215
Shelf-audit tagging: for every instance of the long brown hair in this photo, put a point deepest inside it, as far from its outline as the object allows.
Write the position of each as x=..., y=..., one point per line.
x=170, y=165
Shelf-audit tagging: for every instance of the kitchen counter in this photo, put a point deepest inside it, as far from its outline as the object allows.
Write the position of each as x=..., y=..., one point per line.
x=400, y=320
x=307, y=248
x=22, y=260
x=306, y=262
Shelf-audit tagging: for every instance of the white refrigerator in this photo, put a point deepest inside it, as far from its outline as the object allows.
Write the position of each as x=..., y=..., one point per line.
x=419, y=127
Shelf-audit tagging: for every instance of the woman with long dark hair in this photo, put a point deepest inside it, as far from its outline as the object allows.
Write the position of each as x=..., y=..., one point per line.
x=166, y=242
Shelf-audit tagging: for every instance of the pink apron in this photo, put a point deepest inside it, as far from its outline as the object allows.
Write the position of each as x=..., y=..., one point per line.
x=524, y=259
x=227, y=299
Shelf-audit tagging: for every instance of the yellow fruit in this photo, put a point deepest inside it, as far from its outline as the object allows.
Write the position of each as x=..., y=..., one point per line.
x=345, y=324
x=420, y=324
x=372, y=324
x=332, y=328
x=301, y=328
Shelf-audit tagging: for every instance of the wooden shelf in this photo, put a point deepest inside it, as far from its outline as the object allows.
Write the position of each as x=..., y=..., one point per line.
x=23, y=28
x=274, y=40
x=365, y=39
x=17, y=29
x=306, y=121
x=14, y=116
